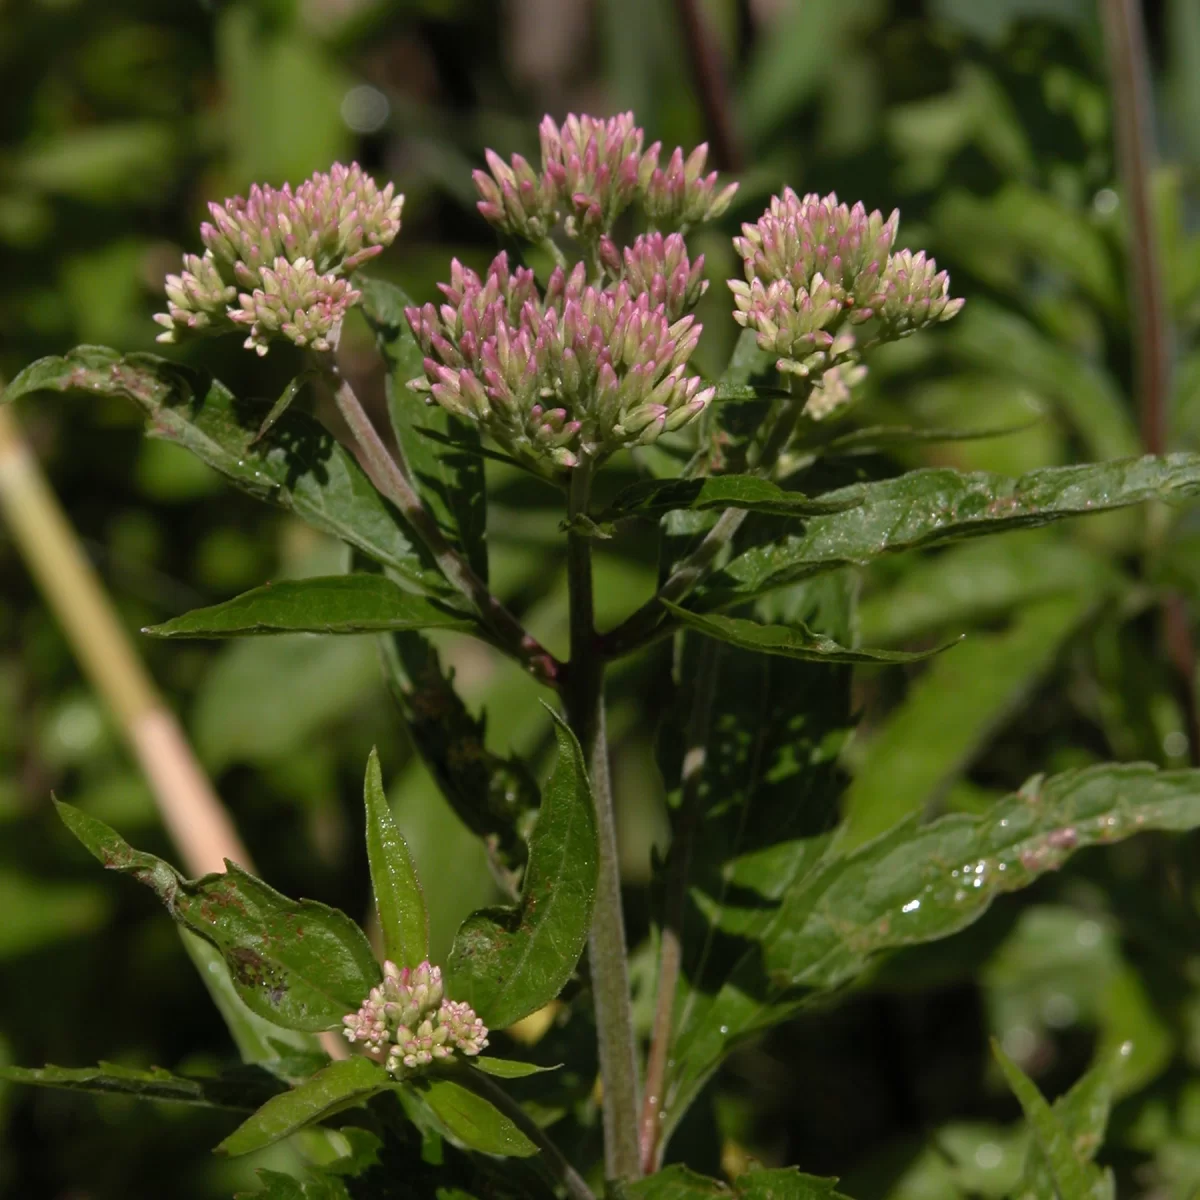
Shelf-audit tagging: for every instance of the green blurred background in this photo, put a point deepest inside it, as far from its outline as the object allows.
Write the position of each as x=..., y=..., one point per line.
x=989, y=124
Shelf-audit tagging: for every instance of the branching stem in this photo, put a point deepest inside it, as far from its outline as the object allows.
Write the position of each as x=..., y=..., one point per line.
x=391, y=482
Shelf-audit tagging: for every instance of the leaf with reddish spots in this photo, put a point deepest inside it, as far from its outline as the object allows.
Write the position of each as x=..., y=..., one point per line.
x=307, y=984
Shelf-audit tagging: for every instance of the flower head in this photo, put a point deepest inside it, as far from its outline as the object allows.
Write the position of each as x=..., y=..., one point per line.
x=575, y=373
x=592, y=170
x=815, y=270
x=288, y=252
x=407, y=1024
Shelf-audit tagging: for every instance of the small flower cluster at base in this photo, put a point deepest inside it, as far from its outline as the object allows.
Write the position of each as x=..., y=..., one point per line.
x=815, y=270
x=577, y=373
x=288, y=252
x=407, y=1024
x=594, y=168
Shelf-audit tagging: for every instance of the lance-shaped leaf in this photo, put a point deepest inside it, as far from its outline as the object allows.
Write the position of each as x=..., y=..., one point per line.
x=398, y=899
x=1082, y=1114
x=491, y=795
x=358, y=603
x=245, y=1089
x=789, y=641
x=915, y=884
x=298, y=963
x=335, y=1087
x=678, y=1182
x=470, y=1119
x=447, y=468
x=508, y=962
x=1070, y=1173
x=653, y=497
x=295, y=464
x=508, y=1068
x=927, y=507
x=875, y=438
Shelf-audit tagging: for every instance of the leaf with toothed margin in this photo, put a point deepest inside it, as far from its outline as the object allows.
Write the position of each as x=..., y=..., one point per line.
x=298, y=963
x=789, y=641
x=915, y=884
x=509, y=962
x=678, y=1182
x=1082, y=1115
x=296, y=464
x=928, y=507
x=447, y=469
x=653, y=497
x=334, y=604
x=1070, y=1174
x=247, y=1088
x=338, y=1086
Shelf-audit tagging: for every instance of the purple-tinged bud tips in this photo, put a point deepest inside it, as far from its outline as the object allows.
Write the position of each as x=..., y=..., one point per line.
x=816, y=269
x=406, y=1023
x=289, y=252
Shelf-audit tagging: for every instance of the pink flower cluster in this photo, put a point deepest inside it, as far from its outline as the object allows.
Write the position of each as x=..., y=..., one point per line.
x=407, y=1024
x=593, y=169
x=816, y=268
x=576, y=372
x=276, y=260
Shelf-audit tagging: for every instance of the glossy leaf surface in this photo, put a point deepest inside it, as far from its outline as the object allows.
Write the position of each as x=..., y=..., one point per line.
x=508, y=962
x=403, y=920
x=297, y=464
x=470, y=1119
x=300, y=964
x=927, y=507
x=356, y=603
x=337, y=1086
x=788, y=641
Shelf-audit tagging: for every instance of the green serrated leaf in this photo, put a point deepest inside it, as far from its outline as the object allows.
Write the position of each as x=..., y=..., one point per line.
x=318, y=1185
x=345, y=604
x=470, y=1119
x=297, y=464
x=335, y=1087
x=678, y=1182
x=399, y=901
x=258, y=1040
x=298, y=963
x=1082, y=1114
x=509, y=962
x=507, y=1068
x=448, y=471
x=789, y=641
x=653, y=497
x=1071, y=1175
x=239, y=1090
x=820, y=926
x=926, y=507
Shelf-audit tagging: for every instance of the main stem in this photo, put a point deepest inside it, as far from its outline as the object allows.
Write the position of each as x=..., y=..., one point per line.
x=583, y=694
